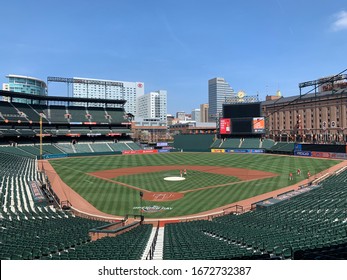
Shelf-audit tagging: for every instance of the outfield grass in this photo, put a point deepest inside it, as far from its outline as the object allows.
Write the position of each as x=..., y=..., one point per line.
x=117, y=199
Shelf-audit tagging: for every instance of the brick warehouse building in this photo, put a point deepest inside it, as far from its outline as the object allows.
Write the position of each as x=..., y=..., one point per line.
x=319, y=117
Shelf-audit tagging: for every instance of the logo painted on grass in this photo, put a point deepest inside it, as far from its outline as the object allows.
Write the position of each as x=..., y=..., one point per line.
x=152, y=209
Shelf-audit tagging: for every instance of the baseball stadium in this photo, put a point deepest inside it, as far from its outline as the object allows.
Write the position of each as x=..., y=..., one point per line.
x=76, y=186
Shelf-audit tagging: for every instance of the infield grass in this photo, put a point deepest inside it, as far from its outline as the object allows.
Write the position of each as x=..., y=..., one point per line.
x=154, y=181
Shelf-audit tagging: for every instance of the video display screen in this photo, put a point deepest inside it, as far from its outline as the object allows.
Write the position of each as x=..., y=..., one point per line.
x=224, y=126
x=242, y=126
x=258, y=125
x=247, y=110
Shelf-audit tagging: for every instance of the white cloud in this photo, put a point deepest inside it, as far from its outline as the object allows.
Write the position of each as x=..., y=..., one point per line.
x=340, y=21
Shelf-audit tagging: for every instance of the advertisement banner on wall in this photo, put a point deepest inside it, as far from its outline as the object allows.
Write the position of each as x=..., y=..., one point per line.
x=163, y=151
x=257, y=151
x=217, y=150
x=303, y=153
x=245, y=151
x=48, y=156
x=241, y=151
x=337, y=155
x=162, y=144
x=321, y=154
x=138, y=152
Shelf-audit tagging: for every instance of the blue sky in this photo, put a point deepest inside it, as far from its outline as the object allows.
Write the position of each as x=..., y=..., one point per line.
x=257, y=46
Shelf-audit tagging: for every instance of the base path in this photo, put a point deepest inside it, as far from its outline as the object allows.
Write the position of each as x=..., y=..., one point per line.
x=241, y=173
x=65, y=193
x=246, y=203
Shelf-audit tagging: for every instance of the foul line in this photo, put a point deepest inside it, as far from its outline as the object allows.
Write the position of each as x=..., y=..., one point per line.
x=228, y=184
x=119, y=183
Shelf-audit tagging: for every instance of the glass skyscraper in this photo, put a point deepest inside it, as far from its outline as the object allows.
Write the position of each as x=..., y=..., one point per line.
x=218, y=90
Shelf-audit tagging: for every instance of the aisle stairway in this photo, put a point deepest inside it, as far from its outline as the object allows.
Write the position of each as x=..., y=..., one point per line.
x=158, y=251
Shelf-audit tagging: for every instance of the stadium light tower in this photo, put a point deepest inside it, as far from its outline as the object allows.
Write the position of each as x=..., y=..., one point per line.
x=141, y=196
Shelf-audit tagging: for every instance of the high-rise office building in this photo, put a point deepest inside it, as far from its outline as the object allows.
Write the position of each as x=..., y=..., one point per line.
x=115, y=90
x=218, y=90
x=181, y=115
x=204, y=113
x=196, y=115
x=152, y=105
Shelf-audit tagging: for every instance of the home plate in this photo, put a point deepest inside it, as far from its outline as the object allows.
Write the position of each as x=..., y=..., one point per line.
x=174, y=178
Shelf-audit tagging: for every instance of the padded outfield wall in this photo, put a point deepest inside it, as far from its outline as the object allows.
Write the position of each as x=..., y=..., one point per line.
x=321, y=150
x=194, y=142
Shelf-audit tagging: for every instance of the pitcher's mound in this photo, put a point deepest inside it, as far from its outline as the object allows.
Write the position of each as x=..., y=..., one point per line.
x=174, y=178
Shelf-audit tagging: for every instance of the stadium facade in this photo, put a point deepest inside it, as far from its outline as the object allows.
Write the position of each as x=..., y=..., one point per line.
x=113, y=90
x=314, y=117
x=54, y=117
x=25, y=84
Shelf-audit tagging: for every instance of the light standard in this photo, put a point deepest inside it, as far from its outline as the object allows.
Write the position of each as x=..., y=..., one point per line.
x=141, y=195
x=141, y=216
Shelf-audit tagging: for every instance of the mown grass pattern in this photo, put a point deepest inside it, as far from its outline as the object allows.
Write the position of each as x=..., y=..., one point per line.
x=154, y=181
x=120, y=200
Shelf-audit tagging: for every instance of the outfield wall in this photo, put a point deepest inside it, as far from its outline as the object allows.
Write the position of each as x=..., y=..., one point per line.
x=321, y=148
x=126, y=152
x=193, y=142
x=328, y=151
x=51, y=156
x=239, y=151
x=321, y=154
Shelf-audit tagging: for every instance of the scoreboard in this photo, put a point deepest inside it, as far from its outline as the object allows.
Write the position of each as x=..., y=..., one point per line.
x=242, y=119
x=241, y=110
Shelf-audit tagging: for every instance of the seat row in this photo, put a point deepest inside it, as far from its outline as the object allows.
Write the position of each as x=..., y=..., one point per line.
x=310, y=221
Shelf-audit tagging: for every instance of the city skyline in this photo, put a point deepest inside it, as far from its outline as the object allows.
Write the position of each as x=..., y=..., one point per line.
x=177, y=46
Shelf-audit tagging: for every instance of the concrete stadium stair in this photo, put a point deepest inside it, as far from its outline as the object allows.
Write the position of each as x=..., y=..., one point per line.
x=158, y=250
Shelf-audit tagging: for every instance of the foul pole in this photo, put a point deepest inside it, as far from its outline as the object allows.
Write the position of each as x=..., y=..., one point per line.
x=40, y=136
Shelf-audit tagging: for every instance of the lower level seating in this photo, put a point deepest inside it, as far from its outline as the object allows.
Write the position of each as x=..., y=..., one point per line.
x=311, y=225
